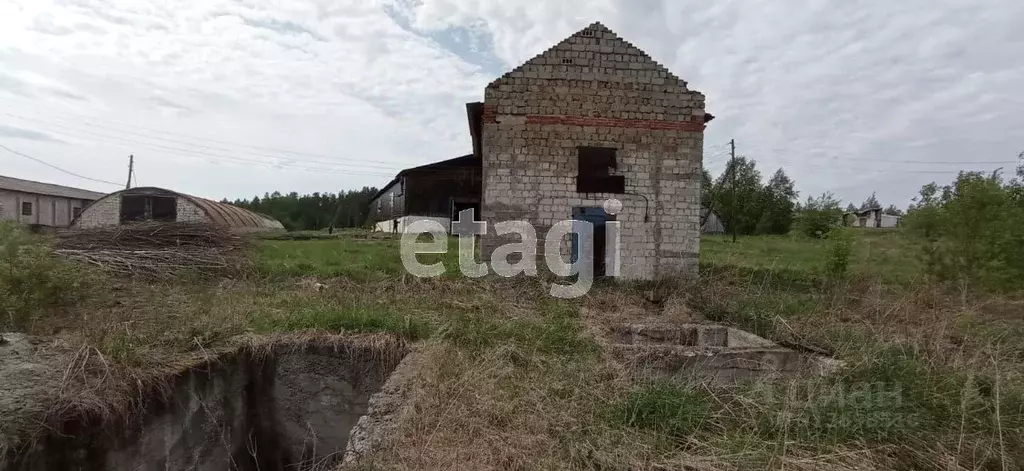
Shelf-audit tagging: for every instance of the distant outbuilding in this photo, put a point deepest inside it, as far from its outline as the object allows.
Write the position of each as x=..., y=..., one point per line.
x=42, y=204
x=158, y=204
x=710, y=222
x=871, y=217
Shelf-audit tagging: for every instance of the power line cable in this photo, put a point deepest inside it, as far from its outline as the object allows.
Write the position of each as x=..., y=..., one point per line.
x=194, y=153
x=218, y=141
x=861, y=169
x=716, y=158
x=838, y=164
x=755, y=149
x=263, y=163
x=8, y=149
x=67, y=128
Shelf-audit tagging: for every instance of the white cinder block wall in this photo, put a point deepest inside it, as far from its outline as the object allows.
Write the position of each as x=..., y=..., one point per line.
x=55, y=211
x=189, y=212
x=107, y=212
x=594, y=89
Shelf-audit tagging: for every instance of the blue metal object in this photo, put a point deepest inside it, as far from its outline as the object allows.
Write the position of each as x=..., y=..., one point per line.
x=597, y=217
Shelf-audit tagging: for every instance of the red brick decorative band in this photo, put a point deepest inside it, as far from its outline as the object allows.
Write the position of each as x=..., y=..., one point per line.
x=617, y=123
x=490, y=116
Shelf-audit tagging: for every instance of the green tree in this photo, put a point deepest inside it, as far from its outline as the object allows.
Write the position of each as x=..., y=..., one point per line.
x=870, y=203
x=706, y=198
x=778, y=203
x=818, y=216
x=745, y=213
x=970, y=231
x=892, y=210
x=314, y=211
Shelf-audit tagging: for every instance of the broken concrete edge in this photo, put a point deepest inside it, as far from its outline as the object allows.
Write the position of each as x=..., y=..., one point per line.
x=113, y=410
x=689, y=334
x=742, y=338
x=673, y=360
x=385, y=349
x=376, y=429
x=708, y=353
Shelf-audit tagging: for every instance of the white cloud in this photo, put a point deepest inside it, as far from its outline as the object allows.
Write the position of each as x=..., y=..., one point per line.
x=828, y=90
x=823, y=89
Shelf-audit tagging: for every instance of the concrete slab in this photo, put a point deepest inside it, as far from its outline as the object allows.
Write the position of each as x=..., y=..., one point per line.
x=708, y=353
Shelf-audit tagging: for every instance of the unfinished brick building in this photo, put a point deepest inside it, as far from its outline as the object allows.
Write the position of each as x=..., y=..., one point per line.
x=590, y=119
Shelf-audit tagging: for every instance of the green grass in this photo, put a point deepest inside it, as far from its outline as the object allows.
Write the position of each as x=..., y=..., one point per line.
x=346, y=318
x=362, y=260
x=664, y=408
x=507, y=347
x=556, y=331
x=519, y=348
x=884, y=254
x=923, y=365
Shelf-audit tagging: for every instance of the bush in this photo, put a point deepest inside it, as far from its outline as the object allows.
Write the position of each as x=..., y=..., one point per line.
x=32, y=279
x=840, y=247
x=970, y=231
x=820, y=215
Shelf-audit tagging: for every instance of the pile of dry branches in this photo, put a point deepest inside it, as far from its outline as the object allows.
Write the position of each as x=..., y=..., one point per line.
x=156, y=250
x=150, y=235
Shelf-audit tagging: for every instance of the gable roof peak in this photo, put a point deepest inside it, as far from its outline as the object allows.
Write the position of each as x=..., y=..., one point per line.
x=594, y=33
x=596, y=26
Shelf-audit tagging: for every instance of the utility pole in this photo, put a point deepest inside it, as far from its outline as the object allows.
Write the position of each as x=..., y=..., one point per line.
x=732, y=146
x=131, y=168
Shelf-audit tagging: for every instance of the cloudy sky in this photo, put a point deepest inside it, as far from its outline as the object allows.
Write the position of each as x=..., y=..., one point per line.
x=231, y=98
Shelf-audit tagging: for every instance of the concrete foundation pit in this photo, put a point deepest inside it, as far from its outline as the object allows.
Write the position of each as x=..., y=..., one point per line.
x=289, y=406
x=707, y=353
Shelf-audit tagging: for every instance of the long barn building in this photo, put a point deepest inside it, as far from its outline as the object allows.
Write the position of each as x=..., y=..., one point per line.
x=158, y=204
x=436, y=191
x=42, y=204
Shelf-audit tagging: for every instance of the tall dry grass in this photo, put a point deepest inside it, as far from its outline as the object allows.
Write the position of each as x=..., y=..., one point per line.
x=512, y=379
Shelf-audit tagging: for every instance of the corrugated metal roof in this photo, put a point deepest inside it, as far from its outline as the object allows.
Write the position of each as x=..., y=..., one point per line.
x=228, y=214
x=49, y=189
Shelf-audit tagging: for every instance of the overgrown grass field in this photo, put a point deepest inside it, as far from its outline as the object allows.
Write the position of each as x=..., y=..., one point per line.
x=881, y=254
x=511, y=378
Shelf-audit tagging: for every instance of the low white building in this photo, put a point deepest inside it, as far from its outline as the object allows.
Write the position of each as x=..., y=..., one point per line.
x=873, y=218
x=42, y=204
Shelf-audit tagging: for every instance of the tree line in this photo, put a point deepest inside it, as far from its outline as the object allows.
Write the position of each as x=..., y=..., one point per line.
x=755, y=207
x=313, y=211
x=872, y=203
x=744, y=201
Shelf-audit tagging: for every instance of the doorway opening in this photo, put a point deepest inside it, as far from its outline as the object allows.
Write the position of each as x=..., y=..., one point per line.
x=595, y=247
x=136, y=208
